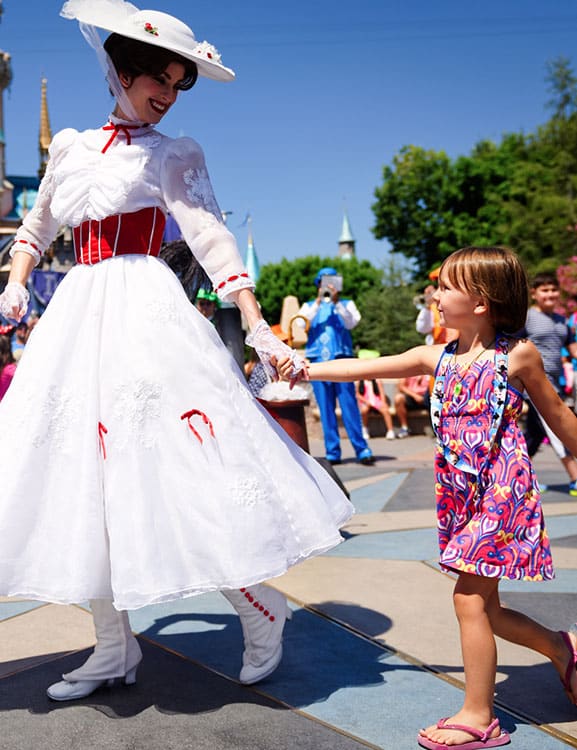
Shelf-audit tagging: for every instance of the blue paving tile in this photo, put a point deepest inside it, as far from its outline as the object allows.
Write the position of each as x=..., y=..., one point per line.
x=11, y=609
x=565, y=582
x=561, y=526
x=418, y=544
x=373, y=497
x=327, y=672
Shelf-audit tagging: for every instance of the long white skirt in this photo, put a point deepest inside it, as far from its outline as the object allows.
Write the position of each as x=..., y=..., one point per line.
x=108, y=489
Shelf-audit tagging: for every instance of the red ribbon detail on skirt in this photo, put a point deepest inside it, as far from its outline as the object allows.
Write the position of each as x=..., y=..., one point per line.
x=102, y=431
x=193, y=413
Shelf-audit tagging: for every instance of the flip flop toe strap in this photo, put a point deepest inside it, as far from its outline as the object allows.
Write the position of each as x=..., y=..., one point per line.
x=476, y=733
x=572, y=665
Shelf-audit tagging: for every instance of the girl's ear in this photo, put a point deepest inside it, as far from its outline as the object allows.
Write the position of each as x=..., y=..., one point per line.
x=481, y=307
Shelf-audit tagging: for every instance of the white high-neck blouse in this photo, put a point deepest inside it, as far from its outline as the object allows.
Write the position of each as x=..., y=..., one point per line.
x=124, y=167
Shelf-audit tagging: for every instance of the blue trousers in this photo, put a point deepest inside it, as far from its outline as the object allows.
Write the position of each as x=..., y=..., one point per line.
x=326, y=395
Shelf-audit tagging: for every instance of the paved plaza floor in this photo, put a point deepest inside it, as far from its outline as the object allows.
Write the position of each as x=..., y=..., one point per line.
x=371, y=652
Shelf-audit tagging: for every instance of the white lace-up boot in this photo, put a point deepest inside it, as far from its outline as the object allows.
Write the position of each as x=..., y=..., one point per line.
x=263, y=612
x=115, y=656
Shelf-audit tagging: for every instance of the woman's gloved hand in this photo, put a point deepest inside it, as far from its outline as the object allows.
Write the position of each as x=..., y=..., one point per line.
x=271, y=350
x=14, y=301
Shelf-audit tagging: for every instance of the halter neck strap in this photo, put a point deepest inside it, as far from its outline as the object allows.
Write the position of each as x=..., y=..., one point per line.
x=495, y=402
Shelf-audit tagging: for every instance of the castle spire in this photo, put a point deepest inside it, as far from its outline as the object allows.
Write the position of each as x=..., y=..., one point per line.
x=45, y=135
x=252, y=264
x=346, y=240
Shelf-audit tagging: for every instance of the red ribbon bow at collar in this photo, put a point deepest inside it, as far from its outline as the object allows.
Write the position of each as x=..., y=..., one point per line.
x=116, y=129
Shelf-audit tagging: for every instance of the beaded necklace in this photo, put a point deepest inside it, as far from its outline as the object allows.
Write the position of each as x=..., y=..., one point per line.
x=496, y=400
x=460, y=378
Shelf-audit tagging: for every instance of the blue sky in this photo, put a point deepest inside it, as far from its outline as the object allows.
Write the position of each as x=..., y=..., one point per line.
x=326, y=94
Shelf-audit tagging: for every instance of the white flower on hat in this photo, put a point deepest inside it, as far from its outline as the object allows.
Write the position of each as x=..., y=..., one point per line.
x=205, y=49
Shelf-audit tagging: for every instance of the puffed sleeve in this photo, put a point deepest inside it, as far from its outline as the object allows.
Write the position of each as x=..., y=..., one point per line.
x=39, y=227
x=188, y=196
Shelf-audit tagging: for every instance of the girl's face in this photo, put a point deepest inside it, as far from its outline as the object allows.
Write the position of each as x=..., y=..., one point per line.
x=153, y=97
x=456, y=307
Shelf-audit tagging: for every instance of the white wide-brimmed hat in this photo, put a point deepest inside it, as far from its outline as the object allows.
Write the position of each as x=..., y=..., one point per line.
x=152, y=27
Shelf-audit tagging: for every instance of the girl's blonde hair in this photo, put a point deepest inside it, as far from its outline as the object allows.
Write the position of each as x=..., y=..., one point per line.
x=497, y=276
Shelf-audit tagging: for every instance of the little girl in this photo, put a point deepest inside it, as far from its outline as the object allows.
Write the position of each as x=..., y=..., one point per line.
x=490, y=520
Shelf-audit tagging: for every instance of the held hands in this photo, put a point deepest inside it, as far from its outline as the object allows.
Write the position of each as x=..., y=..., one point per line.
x=284, y=369
x=14, y=301
x=271, y=350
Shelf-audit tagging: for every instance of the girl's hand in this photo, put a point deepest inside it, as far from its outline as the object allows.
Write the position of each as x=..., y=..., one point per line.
x=285, y=370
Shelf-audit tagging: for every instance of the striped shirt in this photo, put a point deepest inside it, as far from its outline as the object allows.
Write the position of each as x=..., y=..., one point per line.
x=550, y=333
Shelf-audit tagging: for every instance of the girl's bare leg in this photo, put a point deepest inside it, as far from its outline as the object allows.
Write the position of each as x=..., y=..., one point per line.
x=518, y=628
x=471, y=599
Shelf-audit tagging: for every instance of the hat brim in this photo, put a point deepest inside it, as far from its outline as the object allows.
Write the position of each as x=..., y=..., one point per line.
x=133, y=25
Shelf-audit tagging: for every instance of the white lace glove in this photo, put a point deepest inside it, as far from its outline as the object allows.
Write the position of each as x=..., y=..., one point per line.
x=14, y=301
x=267, y=345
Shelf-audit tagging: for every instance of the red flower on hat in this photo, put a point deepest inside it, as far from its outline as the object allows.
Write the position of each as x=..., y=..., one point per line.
x=150, y=29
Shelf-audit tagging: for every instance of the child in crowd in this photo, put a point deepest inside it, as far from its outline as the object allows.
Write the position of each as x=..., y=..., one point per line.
x=7, y=361
x=490, y=521
x=549, y=331
x=412, y=393
x=371, y=395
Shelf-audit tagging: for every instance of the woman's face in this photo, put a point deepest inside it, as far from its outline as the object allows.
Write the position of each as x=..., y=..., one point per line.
x=152, y=97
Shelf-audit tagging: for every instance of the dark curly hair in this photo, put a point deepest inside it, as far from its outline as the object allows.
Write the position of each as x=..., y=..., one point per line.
x=136, y=58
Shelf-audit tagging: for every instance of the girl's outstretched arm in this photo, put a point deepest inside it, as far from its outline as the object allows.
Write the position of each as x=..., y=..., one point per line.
x=421, y=360
x=527, y=366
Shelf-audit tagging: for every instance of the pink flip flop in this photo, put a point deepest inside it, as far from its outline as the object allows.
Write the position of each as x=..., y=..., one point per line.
x=483, y=740
x=571, y=666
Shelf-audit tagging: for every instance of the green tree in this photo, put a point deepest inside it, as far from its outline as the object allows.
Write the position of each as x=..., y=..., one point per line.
x=562, y=85
x=296, y=277
x=388, y=314
x=519, y=192
x=414, y=205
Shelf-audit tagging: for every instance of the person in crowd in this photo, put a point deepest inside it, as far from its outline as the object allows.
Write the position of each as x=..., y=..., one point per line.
x=31, y=322
x=371, y=397
x=412, y=394
x=490, y=519
x=549, y=332
x=154, y=477
x=428, y=322
x=7, y=361
x=19, y=338
x=331, y=320
x=572, y=323
x=207, y=303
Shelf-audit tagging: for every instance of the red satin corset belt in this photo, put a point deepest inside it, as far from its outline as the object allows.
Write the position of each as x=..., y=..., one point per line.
x=137, y=233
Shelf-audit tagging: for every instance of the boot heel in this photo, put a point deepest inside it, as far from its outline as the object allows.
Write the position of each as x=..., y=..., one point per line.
x=130, y=676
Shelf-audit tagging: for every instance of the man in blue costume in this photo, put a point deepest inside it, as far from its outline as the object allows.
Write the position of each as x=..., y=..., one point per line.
x=331, y=320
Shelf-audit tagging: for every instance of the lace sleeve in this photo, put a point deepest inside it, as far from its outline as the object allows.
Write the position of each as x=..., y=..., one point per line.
x=39, y=226
x=188, y=194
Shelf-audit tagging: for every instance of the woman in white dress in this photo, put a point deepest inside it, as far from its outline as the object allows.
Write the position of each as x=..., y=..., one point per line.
x=126, y=478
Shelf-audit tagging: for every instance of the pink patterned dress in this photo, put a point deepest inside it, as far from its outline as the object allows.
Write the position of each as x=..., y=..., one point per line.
x=490, y=520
